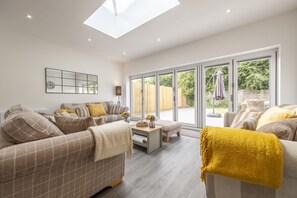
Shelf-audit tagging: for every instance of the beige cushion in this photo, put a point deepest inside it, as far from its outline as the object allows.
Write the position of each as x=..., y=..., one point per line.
x=243, y=116
x=284, y=129
x=248, y=124
x=114, y=109
x=255, y=105
x=3, y=142
x=15, y=109
x=99, y=121
x=70, y=125
x=82, y=111
x=28, y=126
x=168, y=125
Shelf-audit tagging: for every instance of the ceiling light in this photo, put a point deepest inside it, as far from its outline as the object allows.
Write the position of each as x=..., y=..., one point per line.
x=228, y=11
x=124, y=53
x=158, y=39
x=89, y=39
x=29, y=16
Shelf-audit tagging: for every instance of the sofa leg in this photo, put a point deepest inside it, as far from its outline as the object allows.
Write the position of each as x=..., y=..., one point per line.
x=116, y=182
x=167, y=139
x=178, y=133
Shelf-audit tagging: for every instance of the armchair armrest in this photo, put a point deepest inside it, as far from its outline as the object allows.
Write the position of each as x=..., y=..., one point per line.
x=228, y=118
x=290, y=157
x=28, y=158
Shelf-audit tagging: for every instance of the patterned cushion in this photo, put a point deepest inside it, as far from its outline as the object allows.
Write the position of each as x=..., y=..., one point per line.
x=284, y=129
x=248, y=124
x=243, y=116
x=82, y=111
x=50, y=117
x=66, y=113
x=3, y=141
x=28, y=126
x=70, y=125
x=15, y=109
x=99, y=121
x=114, y=109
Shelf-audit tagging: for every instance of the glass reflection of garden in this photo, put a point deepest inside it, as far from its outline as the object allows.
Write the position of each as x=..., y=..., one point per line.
x=253, y=84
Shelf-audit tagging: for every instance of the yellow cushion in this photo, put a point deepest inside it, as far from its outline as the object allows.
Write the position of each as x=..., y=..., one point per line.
x=274, y=114
x=64, y=110
x=96, y=109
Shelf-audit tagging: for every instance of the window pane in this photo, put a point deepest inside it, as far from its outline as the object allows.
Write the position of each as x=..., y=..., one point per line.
x=150, y=95
x=136, y=98
x=166, y=96
x=186, y=96
x=253, y=81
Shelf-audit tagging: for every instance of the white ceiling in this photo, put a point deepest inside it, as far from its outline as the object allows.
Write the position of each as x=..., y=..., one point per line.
x=61, y=21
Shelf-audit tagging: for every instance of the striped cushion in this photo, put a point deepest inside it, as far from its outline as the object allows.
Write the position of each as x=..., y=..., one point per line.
x=82, y=111
x=114, y=109
x=248, y=124
x=28, y=126
x=244, y=116
x=284, y=129
x=71, y=125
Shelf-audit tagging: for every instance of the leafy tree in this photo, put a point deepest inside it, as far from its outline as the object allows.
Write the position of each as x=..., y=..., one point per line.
x=186, y=82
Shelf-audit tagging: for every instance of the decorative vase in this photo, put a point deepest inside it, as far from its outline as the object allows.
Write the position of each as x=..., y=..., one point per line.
x=152, y=124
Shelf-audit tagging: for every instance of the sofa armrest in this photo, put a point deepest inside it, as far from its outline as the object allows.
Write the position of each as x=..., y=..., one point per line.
x=290, y=157
x=228, y=118
x=28, y=158
x=124, y=109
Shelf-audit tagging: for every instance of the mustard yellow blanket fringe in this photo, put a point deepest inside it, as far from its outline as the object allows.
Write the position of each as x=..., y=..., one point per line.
x=249, y=156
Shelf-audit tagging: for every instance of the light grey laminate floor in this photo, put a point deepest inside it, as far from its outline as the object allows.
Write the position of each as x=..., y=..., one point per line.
x=172, y=172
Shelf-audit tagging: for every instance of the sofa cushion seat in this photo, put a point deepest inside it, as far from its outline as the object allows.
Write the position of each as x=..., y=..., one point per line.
x=111, y=117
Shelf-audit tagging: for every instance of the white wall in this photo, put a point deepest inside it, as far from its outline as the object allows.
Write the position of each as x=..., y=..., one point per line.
x=22, y=76
x=280, y=30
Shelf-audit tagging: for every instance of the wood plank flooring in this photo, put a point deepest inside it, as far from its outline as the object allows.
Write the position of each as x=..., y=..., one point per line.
x=171, y=172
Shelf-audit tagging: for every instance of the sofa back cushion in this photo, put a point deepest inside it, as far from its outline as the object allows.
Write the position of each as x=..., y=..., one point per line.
x=71, y=125
x=28, y=126
x=82, y=111
x=114, y=109
x=283, y=129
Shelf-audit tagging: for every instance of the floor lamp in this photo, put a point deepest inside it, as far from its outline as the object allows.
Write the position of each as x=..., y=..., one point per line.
x=118, y=93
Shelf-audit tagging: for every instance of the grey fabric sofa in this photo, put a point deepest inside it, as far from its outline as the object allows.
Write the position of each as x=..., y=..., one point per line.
x=107, y=118
x=223, y=187
x=61, y=166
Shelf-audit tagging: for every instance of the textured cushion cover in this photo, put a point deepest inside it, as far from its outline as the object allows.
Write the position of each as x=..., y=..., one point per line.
x=248, y=124
x=70, y=125
x=28, y=126
x=3, y=141
x=82, y=111
x=274, y=114
x=114, y=109
x=96, y=109
x=15, y=109
x=243, y=115
x=284, y=129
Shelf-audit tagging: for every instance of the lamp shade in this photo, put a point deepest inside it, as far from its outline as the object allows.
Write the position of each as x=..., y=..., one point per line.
x=118, y=90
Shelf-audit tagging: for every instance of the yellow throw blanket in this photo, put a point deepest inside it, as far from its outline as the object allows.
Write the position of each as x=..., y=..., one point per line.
x=249, y=156
x=112, y=139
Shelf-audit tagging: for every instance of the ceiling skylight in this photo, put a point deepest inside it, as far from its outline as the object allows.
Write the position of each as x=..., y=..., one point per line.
x=118, y=17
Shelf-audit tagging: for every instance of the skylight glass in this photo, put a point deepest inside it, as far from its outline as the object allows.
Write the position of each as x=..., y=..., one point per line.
x=118, y=17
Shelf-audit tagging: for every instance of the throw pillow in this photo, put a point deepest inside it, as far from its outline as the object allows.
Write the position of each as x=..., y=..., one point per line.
x=114, y=109
x=3, y=142
x=82, y=111
x=284, y=129
x=66, y=113
x=274, y=114
x=71, y=125
x=50, y=117
x=15, y=109
x=243, y=116
x=248, y=124
x=28, y=126
x=96, y=110
x=99, y=121
x=255, y=105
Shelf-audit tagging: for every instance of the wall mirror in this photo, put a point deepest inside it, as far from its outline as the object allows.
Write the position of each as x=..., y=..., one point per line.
x=67, y=82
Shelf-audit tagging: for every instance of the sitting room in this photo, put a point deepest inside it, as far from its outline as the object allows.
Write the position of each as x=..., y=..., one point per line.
x=141, y=99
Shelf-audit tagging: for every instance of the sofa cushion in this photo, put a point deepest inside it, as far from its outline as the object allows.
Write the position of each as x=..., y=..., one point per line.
x=111, y=118
x=248, y=124
x=274, y=114
x=3, y=142
x=99, y=120
x=168, y=125
x=243, y=115
x=114, y=109
x=66, y=113
x=283, y=129
x=255, y=105
x=70, y=125
x=105, y=105
x=82, y=111
x=15, y=109
x=96, y=110
x=28, y=126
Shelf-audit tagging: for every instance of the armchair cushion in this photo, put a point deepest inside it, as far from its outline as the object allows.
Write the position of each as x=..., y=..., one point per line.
x=243, y=116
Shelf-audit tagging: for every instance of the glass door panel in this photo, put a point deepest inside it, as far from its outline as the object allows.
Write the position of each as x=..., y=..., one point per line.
x=186, y=97
x=136, y=85
x=166, y=99
x=216, y=94
x=150, y=95
x=253, y=81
